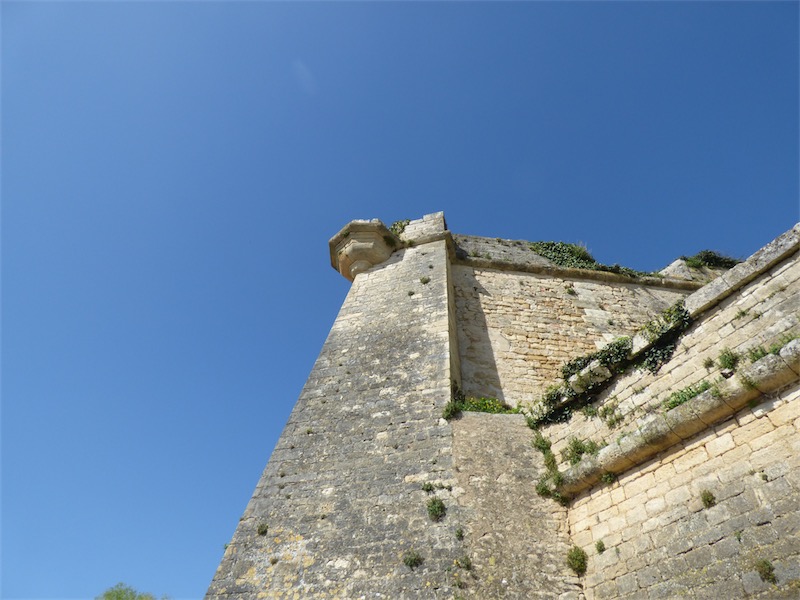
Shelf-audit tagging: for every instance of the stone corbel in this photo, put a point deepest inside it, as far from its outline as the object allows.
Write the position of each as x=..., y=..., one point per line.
x=361, y=245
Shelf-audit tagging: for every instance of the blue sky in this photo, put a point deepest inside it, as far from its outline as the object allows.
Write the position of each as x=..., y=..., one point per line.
x=172, y=171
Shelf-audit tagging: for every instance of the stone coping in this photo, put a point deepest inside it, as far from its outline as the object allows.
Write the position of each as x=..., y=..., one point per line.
x=513, y=255
x=731, y=280
x=657, y=432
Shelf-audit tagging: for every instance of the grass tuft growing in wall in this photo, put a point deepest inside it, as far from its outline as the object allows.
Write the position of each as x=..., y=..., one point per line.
x=766, y=571
x=684, y=395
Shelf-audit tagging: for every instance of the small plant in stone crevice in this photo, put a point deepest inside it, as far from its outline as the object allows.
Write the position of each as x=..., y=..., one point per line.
x=576, y=448
x=757, y=353
x=684, y=395
x=728, y=359
x=600, y=546
x=262, y=529
x=577, y=560
x=608, y=478
x=548, y=484
x=708, y=363
x=459, y=533
x=427, y=487
x=459, y=402
x=436, y=509
x=398, y=227
x=766, y=571
x=746, y=381
x=610, y=415
x=412, y=559
x=708, y=499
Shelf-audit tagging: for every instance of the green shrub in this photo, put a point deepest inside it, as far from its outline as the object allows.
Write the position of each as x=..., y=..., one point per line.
x=728, y=359
x=436, y=509
x=756, y=353
x=577, y=448
x=710, y=258
x=262, y=529
x=398, y=227
x=577, y=560
x=608, y=477
x=708, y=499
x=600, y=546
x=541, y=443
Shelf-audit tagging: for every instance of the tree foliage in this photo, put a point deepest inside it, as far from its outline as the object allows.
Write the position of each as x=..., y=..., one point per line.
x=125, y=592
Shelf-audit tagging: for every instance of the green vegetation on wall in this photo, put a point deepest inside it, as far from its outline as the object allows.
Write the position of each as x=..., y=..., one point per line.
x=460, y=402
x=709, y=258
x=575, y=256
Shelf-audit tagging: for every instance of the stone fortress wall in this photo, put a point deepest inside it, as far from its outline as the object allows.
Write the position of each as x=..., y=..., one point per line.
x=342, y=504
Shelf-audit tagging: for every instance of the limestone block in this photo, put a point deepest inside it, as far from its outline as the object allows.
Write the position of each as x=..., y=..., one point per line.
x=706, y=297
x=770, y=372
x=790, y=354
x=656, y=432
x=594, y=372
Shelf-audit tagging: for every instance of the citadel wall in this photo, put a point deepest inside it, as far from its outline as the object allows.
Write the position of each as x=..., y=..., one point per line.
x=344, y=495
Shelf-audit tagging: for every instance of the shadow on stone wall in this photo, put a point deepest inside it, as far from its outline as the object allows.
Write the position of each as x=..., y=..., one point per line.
x=479, y=376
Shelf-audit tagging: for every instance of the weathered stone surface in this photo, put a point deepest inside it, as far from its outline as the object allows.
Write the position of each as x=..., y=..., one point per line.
x=517, y=541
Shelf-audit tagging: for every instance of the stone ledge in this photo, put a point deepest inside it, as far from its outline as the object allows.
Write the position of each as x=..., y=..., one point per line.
x=524, y=261
x=713, y=293
x=661, y=431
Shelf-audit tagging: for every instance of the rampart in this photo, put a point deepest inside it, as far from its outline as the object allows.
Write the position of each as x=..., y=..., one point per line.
x=669, y=455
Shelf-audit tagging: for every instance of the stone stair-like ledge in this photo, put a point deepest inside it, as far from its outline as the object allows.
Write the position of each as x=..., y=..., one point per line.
x=660, y=431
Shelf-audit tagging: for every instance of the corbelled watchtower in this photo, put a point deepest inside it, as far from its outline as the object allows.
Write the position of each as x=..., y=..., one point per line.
x=643, y=425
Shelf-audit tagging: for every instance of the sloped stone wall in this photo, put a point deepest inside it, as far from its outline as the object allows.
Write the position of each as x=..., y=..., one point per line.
x=661, y=541
x=342, y=493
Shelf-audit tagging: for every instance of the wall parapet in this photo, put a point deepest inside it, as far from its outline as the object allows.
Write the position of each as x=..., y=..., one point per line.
x=515, y=255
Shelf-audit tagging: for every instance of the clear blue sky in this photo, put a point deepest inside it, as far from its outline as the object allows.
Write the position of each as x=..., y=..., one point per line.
x=172, y=171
